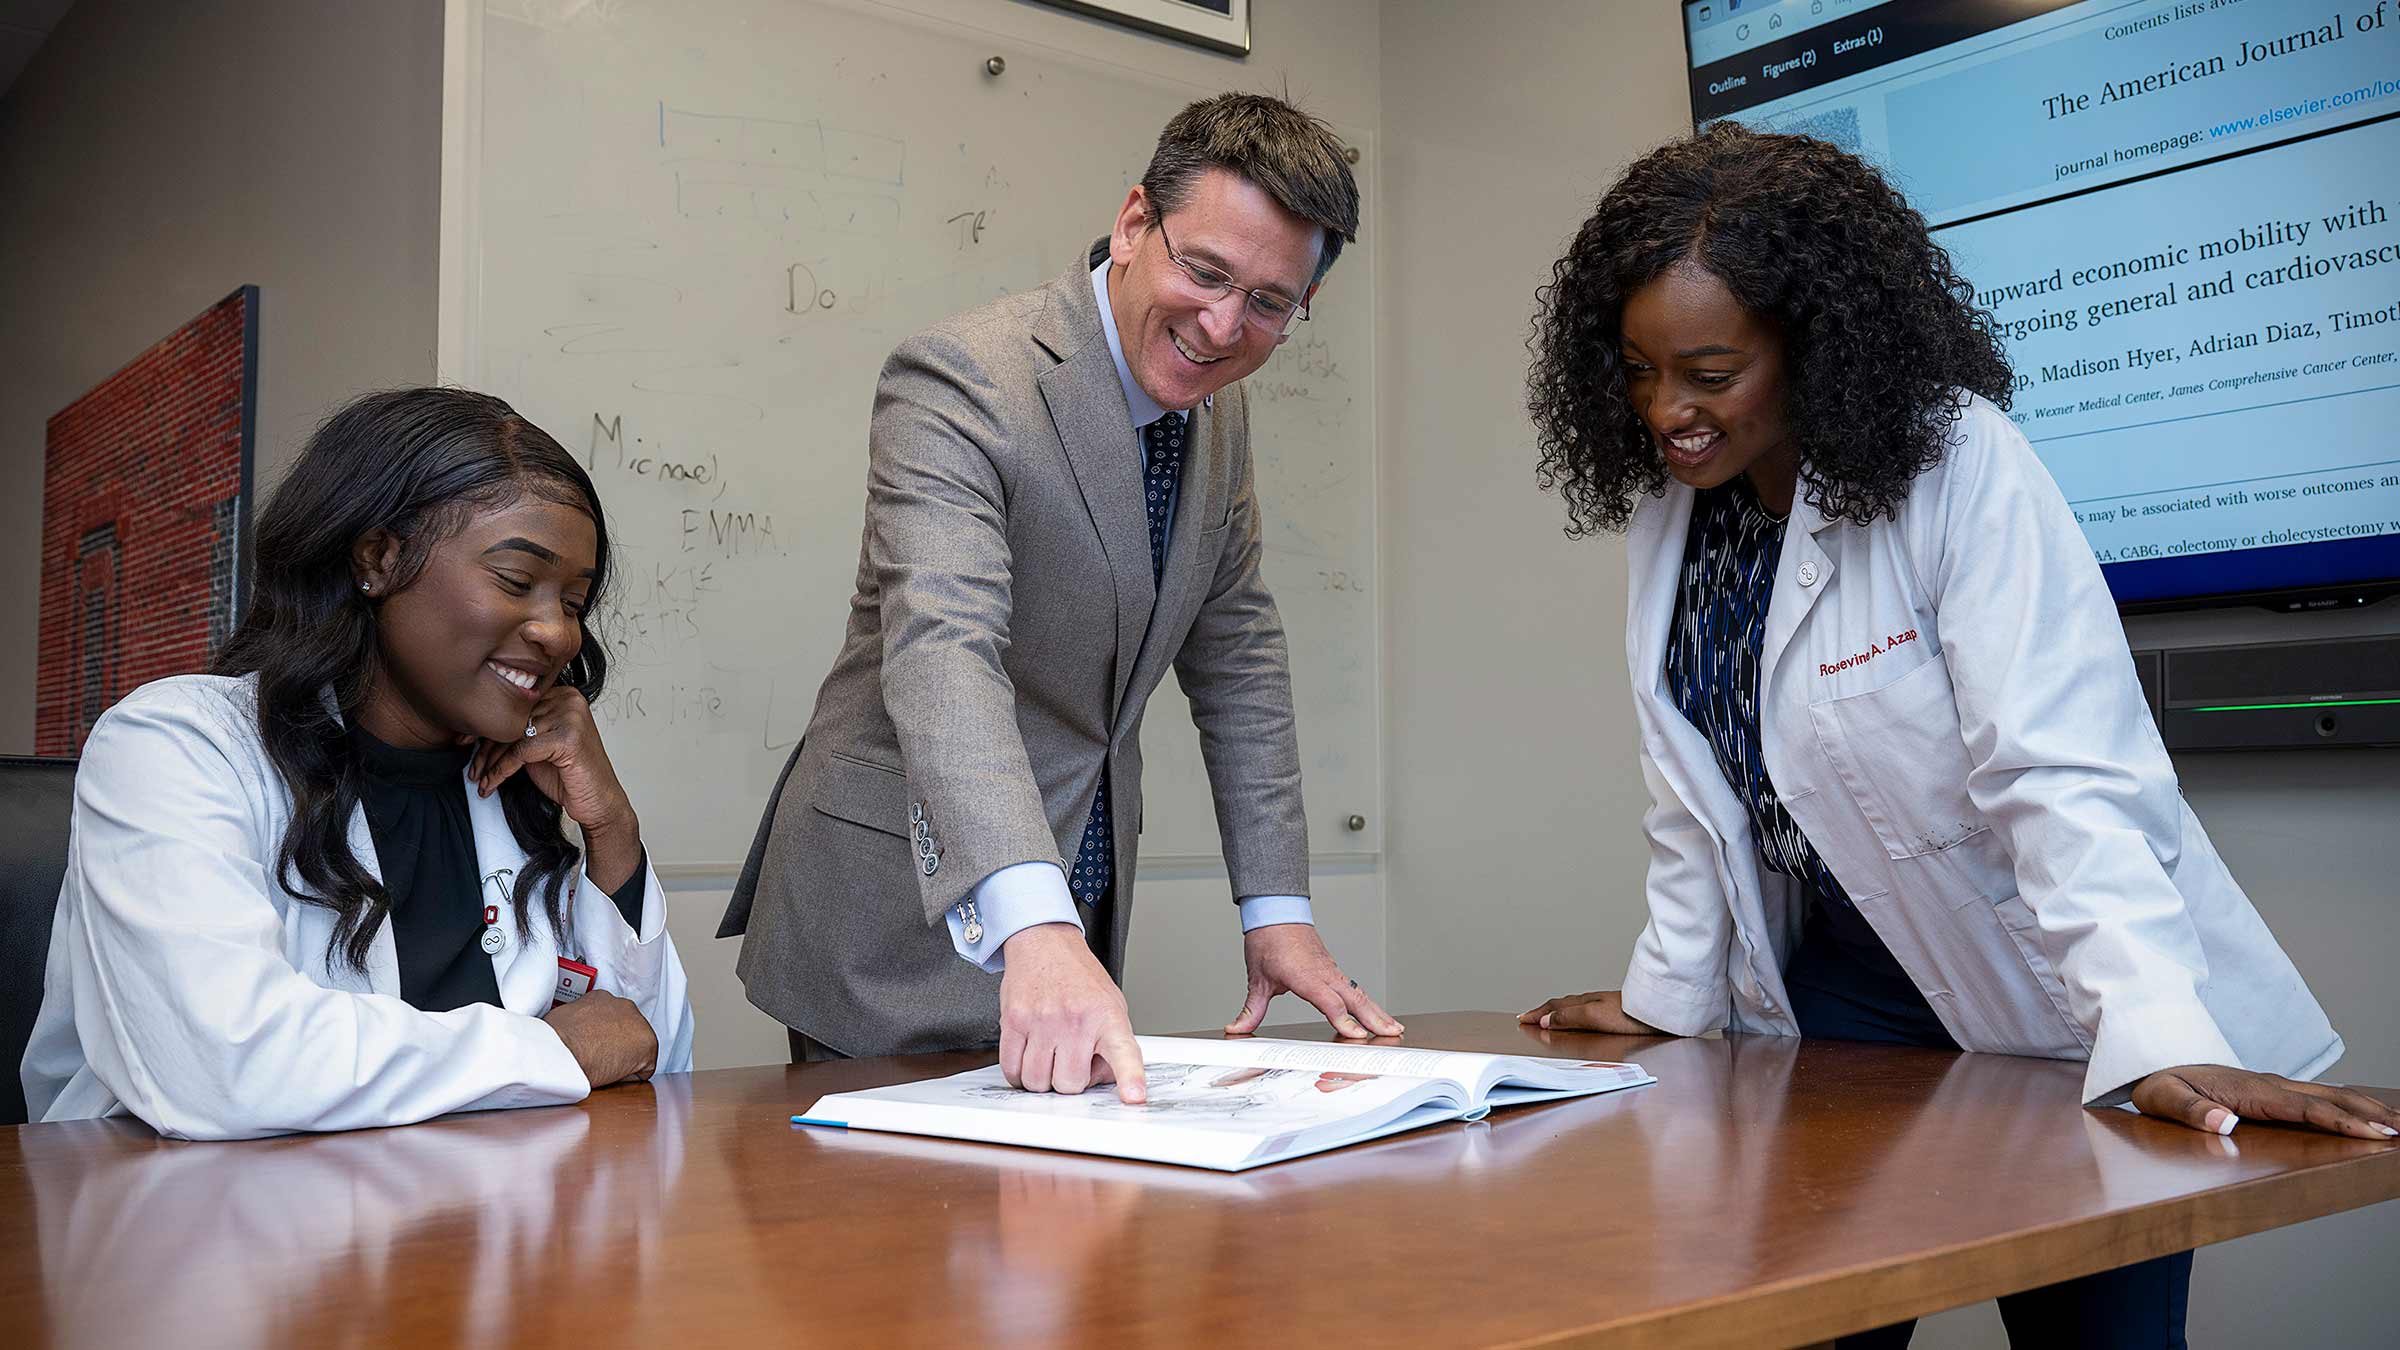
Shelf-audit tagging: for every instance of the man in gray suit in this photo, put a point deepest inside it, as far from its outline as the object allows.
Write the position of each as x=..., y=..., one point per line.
x=1060, y=505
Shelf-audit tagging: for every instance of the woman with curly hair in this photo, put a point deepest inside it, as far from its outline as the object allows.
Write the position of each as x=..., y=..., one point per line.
x=1903, y=783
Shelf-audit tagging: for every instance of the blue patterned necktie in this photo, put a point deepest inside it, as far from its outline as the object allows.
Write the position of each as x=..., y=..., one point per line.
x=1162, y=467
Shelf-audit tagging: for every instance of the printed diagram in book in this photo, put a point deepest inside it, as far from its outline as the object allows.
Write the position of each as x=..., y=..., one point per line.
x=1195, y=1091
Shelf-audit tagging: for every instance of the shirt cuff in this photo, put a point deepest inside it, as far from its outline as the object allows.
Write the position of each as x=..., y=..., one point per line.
x=1008, y=901
x=1260, y=911
x=629, y=895
x=1670, y=1004
x=2134, y=1043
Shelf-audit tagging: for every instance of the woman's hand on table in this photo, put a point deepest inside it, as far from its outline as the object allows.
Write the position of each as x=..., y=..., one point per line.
x=1602, y=1010
x=2213, y=1098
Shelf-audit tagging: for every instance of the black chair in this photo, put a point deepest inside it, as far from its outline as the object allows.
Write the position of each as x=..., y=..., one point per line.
x=36, y=796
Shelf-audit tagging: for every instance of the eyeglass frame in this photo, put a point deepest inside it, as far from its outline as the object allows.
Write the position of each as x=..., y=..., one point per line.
x=1250, y=294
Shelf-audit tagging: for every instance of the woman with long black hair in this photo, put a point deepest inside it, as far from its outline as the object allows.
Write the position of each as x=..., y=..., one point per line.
x=328, y=886
x=1903, y=784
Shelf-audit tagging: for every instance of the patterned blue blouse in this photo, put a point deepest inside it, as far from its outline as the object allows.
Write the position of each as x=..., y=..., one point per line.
x=1712, y=663
x=1843, y=981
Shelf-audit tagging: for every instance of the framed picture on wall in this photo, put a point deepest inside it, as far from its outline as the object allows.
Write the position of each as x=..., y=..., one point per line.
x=1219, y=25
x=145, y=498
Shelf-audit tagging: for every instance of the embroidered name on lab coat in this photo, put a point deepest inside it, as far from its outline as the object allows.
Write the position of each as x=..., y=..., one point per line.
x=1874, y=649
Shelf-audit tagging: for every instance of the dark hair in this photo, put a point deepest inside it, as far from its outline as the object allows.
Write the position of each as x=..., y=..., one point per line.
x=416, y=463
x=1880, y=332
x=1294, y=157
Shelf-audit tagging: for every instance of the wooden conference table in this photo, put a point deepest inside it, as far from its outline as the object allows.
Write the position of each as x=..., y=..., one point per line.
x=1763, y=1192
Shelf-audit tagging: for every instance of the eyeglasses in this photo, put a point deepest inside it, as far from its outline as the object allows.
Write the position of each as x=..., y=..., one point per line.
x=1266, y=311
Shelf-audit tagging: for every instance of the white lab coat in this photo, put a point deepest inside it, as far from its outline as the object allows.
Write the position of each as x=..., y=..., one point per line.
x=1948, y=711
x=185, y=986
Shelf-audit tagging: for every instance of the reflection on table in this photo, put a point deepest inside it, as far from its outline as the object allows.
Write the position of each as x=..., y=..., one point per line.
x=1762, y=1188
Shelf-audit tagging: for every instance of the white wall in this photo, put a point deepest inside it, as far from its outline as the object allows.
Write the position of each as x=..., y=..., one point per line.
x=154, y=157
x=1513, y=845
x=1514, y=859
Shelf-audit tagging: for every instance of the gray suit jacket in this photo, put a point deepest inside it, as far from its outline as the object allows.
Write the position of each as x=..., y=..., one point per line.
x=1003, y=640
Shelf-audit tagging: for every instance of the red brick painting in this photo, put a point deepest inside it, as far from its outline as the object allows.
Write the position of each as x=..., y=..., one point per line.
x=145, y=492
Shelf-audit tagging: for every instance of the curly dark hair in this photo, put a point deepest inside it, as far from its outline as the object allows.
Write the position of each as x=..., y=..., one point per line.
x=1880, y=331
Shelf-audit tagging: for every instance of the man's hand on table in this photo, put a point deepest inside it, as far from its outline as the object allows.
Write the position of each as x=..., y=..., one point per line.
x=1063, y=1024
x=2213, y=1098
x=1289, y=958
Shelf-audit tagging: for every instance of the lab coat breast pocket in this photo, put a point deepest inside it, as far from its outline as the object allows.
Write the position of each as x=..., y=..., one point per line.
x=1899, y=751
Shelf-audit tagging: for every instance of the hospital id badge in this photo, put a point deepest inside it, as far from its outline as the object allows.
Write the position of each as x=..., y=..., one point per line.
x=574, y=981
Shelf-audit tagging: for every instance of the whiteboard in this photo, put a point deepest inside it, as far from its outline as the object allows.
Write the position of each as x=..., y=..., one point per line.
x=687, y=233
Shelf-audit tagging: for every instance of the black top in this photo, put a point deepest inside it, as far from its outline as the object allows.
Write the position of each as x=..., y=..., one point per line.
x=1843, y=981
x=416, y=804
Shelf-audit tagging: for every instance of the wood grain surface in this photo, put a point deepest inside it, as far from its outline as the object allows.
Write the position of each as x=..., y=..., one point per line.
x=1763, y=1192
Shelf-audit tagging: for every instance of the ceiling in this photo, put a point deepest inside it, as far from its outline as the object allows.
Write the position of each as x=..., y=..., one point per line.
x=23, y=26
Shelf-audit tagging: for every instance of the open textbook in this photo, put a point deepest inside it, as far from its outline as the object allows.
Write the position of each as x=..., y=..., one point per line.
x=1229, y=1104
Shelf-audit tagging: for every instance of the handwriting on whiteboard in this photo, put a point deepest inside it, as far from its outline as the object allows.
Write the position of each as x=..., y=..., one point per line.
x=608, y=451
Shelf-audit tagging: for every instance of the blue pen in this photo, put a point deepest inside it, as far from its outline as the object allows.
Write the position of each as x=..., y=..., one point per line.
x=833, y=1124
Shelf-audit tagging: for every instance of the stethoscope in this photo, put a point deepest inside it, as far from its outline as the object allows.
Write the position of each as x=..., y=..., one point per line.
x=496, y=895
x=499, y=895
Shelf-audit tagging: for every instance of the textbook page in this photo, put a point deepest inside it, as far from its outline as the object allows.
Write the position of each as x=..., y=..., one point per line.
x=1479, y=1077
x=1203, y=1115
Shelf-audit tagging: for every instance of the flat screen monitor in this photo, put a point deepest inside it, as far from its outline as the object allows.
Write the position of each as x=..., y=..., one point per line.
x=2184, y=219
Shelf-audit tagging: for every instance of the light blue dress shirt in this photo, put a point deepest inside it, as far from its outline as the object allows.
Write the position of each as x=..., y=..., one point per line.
x=1019, y=896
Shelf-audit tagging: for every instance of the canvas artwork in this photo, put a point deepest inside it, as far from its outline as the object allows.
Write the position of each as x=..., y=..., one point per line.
x=145, y=493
